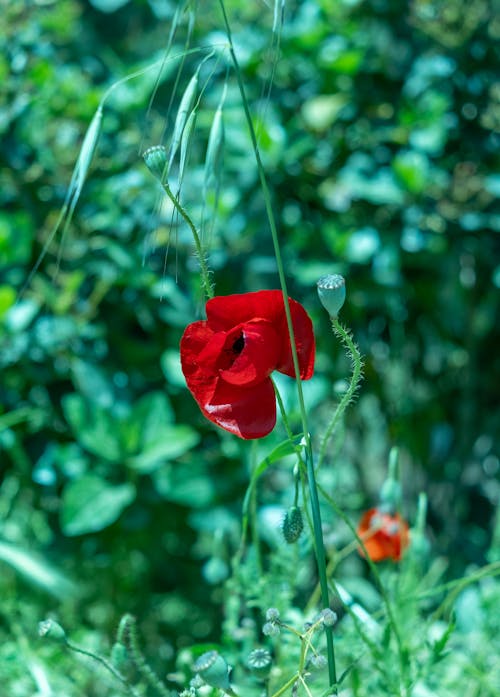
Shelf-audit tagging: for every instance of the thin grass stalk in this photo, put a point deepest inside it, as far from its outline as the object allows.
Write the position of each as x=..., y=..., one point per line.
x=318, y=535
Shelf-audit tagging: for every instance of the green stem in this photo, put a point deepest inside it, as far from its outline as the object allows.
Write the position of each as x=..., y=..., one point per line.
x=253, y=512
x=318, y=535
x=147, y=673
x=205, y=272
x=357, y=369
x=381, y=587
x=106, y=664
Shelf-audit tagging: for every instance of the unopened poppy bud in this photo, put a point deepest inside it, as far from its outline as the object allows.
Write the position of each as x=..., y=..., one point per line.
x=156, y=161
x=53, y=630
x=259, y=662
x=119, y=655
x=331, y=292
x=390, y=494
x=293, y=524
x=214, y=670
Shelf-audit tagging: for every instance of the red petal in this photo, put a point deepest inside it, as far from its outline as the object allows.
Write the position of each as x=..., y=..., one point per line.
x=248, y=412
x=386, y=542
x=224, y=312
x=257, y=358
x=200, y=377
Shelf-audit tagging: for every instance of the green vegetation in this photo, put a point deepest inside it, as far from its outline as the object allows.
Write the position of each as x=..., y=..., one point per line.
x=152, y=537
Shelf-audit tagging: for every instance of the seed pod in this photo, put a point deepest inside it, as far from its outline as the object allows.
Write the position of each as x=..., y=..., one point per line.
x=293, y=525
x=331, y=291
x=156, y=161
x=214, y=670
x=53, y=630
x=259, y=661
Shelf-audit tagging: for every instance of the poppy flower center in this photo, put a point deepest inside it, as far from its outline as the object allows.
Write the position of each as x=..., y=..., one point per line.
x=250, y=354
x=239, y=344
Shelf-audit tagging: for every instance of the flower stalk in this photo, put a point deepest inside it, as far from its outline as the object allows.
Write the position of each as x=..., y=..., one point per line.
x=313, y=491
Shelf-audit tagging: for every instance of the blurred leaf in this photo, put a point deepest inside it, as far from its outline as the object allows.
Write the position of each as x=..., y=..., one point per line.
x=173, y=441
x=320, y=112
x=108, y=5
x=90, y=504
x=94, y=427
x=92, y=383
x=7, y=299
x=186, y=484
x=36, y=570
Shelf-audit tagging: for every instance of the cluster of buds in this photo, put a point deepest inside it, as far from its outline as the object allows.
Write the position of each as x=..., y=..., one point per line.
x=273, y=624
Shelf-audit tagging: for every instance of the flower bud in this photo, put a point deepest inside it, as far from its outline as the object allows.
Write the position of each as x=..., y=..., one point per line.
x=214, y=670
x=318, y=661
x=293, y=525
x=156, y=161
x=270, y=629
x=272, y=614
x=119, y=655
x=331, y=292
x=53, y=630
x=259, y=661
x=329, y=617
x=390, y=495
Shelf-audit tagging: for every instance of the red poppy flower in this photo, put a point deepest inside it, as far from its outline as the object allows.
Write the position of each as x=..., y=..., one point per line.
x=384, y=535
x=227, y=359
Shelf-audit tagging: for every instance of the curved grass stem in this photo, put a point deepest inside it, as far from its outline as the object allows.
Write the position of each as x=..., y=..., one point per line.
x=200, y=253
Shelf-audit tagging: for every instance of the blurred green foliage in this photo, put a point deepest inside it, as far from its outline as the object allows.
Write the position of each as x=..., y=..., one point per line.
x=378, y=123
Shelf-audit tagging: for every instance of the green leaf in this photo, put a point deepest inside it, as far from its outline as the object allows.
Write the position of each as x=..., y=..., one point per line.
x=174, y=441
x=287, y=447
x=197, y=490
x=90, y=504
x=94, y=427
x=91, y=381
x=154, y=413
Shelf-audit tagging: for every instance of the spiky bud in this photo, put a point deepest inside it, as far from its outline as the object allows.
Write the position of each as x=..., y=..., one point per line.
x=293, y=524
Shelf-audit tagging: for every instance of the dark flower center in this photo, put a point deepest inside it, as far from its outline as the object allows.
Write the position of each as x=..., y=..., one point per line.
x=239, y=344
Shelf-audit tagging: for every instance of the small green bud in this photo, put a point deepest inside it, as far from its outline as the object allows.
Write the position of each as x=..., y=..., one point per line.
x=293, y=525
x=259, y=661
x=329, y=617
x=53, y=630
x=119, y=655
x=331, y=292
x=390, y=494
x=318, y=661
x=214, y=670
x=270, y=629
x=156, y=161
x=272, y=614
